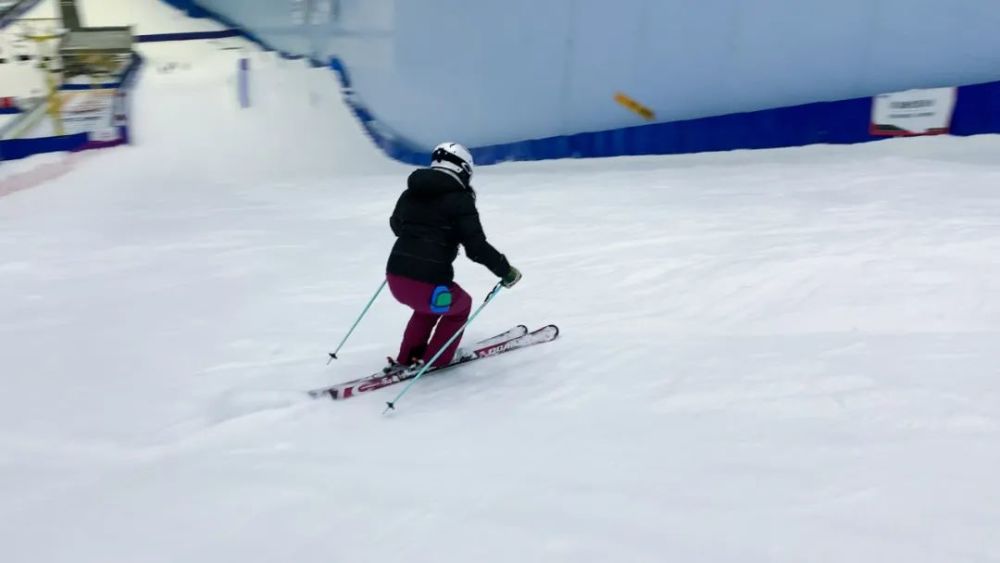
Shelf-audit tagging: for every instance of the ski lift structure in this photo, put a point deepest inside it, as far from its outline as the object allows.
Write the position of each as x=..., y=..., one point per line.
x=100, y=54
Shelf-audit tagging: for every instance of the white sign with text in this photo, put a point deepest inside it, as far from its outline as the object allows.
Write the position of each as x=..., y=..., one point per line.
x=913, y=112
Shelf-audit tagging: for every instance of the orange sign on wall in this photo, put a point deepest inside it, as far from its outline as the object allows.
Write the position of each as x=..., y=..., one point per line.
x=635, y=106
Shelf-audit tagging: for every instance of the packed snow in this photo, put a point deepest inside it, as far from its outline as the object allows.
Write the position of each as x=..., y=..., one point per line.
x=769, y=356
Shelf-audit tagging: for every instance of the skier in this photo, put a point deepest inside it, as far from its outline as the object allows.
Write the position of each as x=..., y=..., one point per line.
x=435, y=214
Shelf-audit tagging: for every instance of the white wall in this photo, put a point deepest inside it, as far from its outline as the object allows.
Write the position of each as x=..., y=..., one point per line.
x=489, y=71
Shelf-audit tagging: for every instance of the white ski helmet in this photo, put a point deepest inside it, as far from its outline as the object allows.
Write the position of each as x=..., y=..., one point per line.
x=454, y=157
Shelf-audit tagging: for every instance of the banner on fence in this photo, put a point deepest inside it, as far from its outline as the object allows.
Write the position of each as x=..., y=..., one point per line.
x=913, y=112
x=90, y=111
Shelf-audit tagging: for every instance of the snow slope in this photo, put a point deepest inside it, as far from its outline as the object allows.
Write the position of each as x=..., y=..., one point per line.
x=776, y=356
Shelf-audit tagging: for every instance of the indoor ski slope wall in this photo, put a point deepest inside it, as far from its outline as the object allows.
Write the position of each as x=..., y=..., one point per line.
x=395, y=66
x=434, y=69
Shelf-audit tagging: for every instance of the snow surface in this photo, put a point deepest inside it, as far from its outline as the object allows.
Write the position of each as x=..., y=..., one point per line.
x=148, y=16
x=772, y=356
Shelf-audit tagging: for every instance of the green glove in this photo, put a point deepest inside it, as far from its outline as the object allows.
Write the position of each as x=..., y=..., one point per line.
x=512, y=277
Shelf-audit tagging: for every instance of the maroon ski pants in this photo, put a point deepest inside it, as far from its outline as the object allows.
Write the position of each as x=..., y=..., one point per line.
x=417, y=339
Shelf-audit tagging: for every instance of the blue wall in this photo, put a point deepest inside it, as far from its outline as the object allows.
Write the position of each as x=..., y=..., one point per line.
x=493, y=71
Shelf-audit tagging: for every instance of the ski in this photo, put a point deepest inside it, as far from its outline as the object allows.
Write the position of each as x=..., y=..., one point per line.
x=515, y=332
x=514, y=339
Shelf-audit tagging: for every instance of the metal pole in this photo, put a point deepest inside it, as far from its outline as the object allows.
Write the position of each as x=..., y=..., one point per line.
x=333, y=355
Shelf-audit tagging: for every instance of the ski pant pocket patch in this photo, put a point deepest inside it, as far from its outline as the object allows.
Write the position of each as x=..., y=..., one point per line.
x=441, y=300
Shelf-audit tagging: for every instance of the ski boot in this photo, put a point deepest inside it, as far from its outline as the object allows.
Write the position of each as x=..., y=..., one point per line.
x=395, y=367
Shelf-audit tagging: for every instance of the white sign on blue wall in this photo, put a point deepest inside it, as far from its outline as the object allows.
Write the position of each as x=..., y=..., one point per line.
x=913, y=112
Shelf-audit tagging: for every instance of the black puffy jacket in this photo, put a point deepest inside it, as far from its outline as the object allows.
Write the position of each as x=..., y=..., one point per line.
x=435, y=214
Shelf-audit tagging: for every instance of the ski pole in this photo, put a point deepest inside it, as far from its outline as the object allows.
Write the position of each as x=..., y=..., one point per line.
x=333, y=355
x=391, y=405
